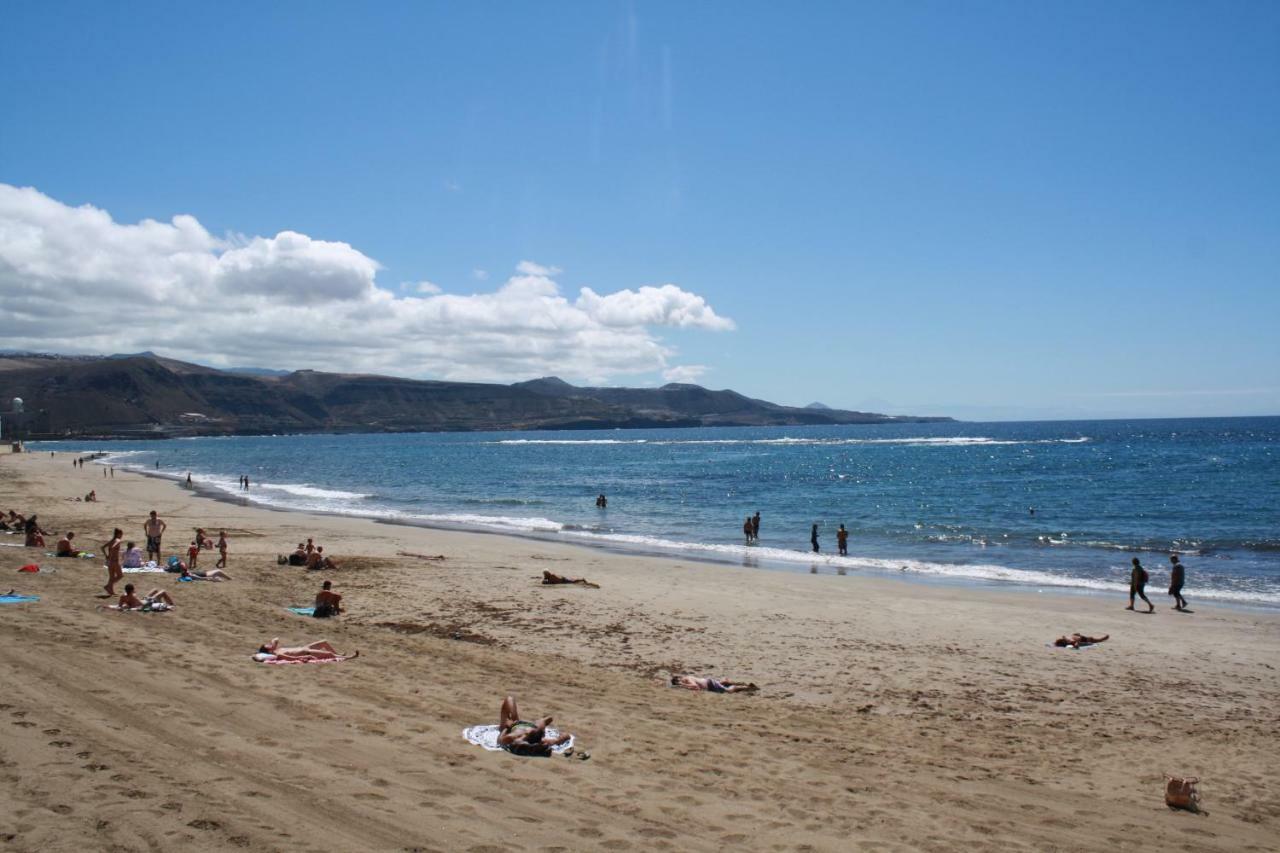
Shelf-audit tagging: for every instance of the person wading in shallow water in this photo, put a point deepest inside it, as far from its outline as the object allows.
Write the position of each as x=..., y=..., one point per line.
x=813, y=538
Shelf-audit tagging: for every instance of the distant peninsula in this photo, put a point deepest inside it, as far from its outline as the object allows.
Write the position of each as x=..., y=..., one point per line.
x=147, y=396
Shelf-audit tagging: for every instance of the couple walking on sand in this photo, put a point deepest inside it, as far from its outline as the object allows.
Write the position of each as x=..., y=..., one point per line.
x=1138, y=584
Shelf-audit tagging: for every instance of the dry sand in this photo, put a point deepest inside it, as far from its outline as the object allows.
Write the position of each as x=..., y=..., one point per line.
x=892, y=715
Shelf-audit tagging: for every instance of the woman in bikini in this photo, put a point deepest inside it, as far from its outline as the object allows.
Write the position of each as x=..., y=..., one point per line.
x=319, y=650
x=523, y=737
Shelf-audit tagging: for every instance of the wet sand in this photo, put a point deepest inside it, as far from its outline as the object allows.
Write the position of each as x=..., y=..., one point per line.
x=892, y=715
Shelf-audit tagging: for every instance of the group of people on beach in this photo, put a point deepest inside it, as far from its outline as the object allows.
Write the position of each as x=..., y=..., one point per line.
x=310, y=555
x=1138, y=579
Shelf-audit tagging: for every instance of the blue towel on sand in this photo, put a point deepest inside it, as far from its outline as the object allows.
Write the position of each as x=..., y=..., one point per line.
x=18, y=599
x=302, y=611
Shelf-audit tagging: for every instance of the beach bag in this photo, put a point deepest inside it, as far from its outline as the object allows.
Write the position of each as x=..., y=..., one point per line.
x=1181, y=793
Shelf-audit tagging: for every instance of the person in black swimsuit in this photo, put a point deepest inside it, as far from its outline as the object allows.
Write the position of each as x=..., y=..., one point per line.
x=523, y=737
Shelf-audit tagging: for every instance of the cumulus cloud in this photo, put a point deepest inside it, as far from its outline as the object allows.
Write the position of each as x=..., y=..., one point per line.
x=74, y=280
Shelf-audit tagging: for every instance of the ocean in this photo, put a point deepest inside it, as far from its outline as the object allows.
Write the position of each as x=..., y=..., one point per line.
x=948, y=502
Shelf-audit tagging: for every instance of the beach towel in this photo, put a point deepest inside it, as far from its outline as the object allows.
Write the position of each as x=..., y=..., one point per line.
x=149, y=567
x=30, y=567
x=302, y=611
x=17, y=599
x=487, y=737
x=1073, y=648
x=84, y=555
x=272, y=660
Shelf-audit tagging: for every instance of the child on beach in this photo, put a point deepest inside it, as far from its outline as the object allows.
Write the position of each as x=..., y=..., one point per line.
x=193, y=554
x=222, y=550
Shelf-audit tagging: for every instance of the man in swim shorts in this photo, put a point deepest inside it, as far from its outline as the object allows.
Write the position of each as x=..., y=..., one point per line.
x=1138, y=586
x=1177, y=578
x=154, y=528
x=523, y=737
x=328, y=603
x=65, y=548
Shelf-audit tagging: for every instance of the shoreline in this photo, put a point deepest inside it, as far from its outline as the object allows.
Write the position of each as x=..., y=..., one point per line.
x=904, y=716
x=828, y=564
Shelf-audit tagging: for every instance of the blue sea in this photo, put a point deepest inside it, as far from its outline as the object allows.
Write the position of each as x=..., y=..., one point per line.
x=938, y=501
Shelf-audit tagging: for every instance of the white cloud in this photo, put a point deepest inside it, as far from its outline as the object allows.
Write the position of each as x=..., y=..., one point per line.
x=479, y=274
x=685, y=372
x=74, y=280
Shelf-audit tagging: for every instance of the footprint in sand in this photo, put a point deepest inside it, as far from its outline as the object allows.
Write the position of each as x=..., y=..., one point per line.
x=60, y=744
x=204, y=824
x=24, y=724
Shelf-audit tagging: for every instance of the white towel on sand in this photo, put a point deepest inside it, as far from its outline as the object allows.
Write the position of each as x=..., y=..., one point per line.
x=487, y=736
x=145, y=568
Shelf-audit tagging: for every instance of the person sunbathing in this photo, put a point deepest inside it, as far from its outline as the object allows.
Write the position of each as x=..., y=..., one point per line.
x=711, y=685
x=211, y=575
x=155, y=601
x=328, y=603
x=319, y=650
x=552, y=578
x=65, y=548
x=1075, y=641
x=523, y=737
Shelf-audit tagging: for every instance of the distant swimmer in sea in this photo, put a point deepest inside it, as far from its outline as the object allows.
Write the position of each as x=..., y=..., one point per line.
x=188, y=478
x=1177, y=577
x=549, y=579
x=842, y=541
x=1031, y=510
x=755, y=526
x=748, y=531
x=1138, y=586
x=1075, y=641
x=813, y=538
x=523, y=737
x=602, y=501
x=711, y=685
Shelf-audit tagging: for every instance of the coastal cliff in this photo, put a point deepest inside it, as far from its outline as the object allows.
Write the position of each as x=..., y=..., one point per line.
x=146, y=396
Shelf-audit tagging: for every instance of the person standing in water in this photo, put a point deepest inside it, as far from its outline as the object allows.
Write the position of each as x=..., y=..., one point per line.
x=842, y=541
x=813, y=538
x=1177, y=578
x=746, y=530
x=1138, y=586
x=755, y=526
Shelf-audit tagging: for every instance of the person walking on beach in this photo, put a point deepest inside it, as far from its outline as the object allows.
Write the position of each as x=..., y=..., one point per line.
x=114, y=571
x=746, y=530
x=755, y=526
x=1138, y=586
x=1177, y=578
x=813, y=538
x=154, y=529
x=842, y=541
x=222, y=550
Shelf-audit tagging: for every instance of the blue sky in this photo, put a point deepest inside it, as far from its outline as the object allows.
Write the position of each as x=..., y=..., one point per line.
x=989, y=210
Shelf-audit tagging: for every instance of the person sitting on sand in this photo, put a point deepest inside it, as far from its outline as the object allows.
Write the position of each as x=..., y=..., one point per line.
x=203, y=540
x=132, y=556
x=711, y=685
x=35, y=536
x=328, y=602
x=211, y=575
x=92, y=497
x=65, y=548
x=549, y=578
x=299, y=556
x=156, y=600
x=319, y=650
x=316, y=560
x=1075, y=641
x=523, y=737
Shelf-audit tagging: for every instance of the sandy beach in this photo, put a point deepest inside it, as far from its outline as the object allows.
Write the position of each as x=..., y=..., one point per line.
x=891, y=716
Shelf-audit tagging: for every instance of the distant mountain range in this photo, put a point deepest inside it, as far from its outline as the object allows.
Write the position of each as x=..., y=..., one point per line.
x=147, y=396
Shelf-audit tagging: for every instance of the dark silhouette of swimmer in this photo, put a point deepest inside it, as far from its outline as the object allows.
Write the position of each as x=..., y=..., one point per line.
x=813, y=538
x=755, y=525
x=746, y=530
x=842, y=541
x=1138, y=586
x=1177, y=578
x=602, y=501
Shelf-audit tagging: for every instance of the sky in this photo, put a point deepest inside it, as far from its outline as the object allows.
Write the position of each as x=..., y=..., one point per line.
x=985, y=210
